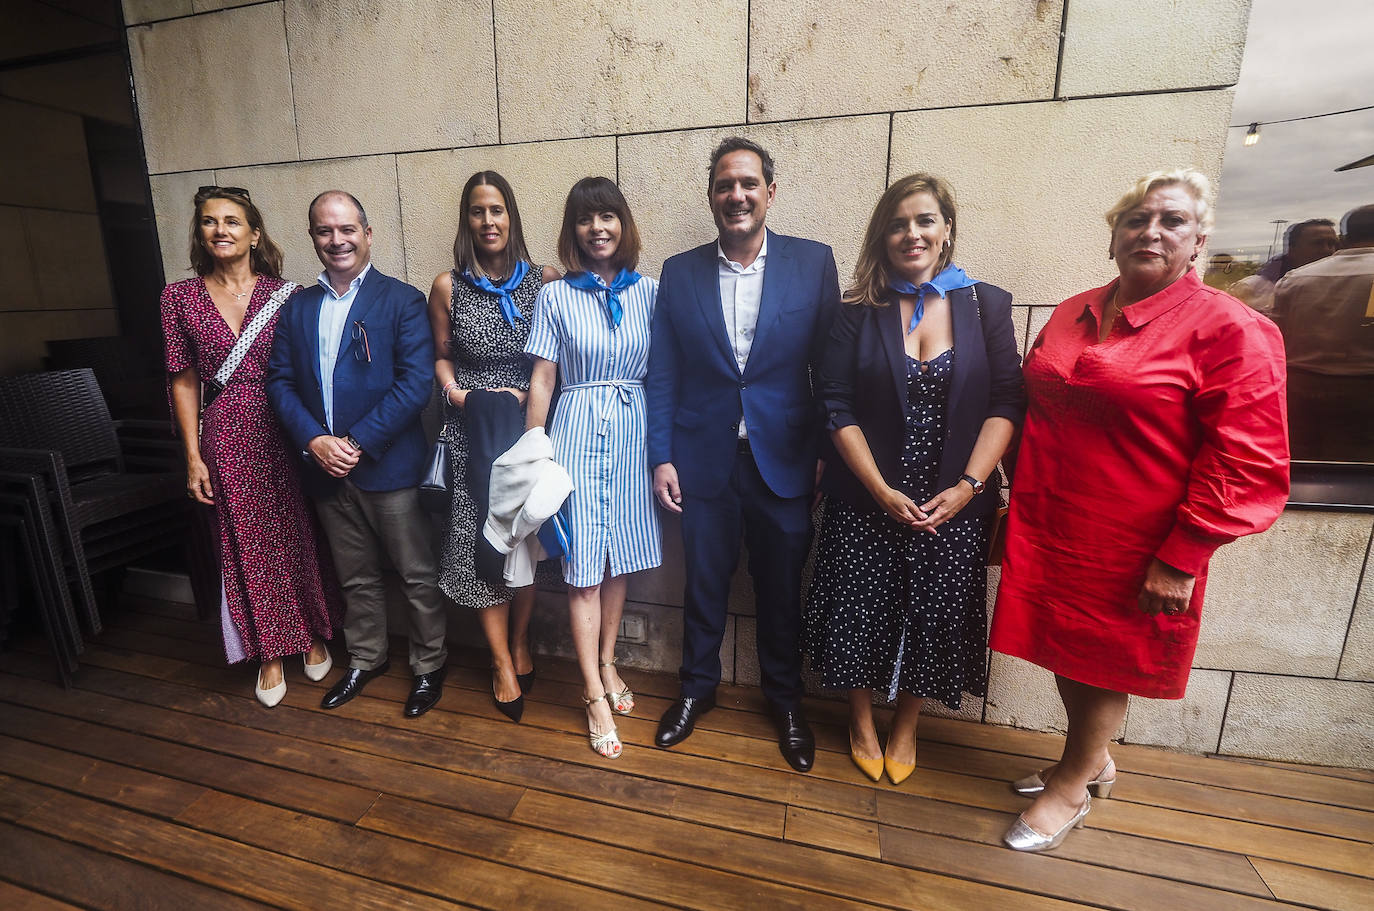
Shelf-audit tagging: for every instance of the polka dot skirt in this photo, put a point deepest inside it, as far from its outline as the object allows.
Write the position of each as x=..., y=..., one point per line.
x=892, y=609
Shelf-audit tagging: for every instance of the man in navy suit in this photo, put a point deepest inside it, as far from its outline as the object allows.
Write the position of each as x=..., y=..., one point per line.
x=733, y=432
x=351, y=370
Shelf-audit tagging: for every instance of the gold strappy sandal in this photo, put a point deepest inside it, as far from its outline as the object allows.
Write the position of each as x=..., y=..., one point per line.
x=623, y=702
x=605, y=745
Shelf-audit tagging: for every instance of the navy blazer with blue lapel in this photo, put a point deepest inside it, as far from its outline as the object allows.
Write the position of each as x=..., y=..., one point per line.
x=378, y=402
x=695, y=392
x=863, y=382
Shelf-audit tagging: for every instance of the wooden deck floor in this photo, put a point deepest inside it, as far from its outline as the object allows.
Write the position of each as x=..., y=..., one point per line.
x=159, y=782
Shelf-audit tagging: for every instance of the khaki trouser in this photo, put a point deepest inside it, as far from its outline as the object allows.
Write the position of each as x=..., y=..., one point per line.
x=362, y=526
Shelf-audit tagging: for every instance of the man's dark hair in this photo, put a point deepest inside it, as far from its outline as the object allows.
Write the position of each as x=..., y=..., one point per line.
x=739, y=144
x=1294, y=232
x=362, y=216
x=1357, y=226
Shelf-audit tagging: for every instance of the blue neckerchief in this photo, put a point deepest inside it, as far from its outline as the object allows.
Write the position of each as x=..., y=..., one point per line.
x=589, y=281
x=951, y=279
x=508, y=308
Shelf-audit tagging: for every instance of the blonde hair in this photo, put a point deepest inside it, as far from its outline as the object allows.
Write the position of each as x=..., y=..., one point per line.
x=1195, y=181
x=872, y=272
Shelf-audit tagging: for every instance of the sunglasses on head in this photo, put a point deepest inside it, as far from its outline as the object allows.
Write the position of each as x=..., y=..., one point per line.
x=229, y=191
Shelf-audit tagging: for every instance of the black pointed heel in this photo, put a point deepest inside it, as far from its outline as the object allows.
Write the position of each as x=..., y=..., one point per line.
x=526, y=681
x=513, y=709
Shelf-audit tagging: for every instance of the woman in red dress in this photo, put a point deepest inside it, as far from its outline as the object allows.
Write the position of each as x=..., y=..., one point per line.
x=1155, y=434
x=275, y=598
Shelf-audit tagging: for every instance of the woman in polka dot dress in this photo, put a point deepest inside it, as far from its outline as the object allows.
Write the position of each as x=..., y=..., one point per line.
x=922, y=388
x=280, y=595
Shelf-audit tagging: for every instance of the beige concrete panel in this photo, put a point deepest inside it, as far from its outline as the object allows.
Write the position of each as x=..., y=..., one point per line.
x=1192, y=723
x=18, y=284
x=1034, y=180
x=50, y=167
x=374, y=76
x=283, y=193
x=1023, y=695
x=1296, y=719
x=23, y=335
x=747, y=651
x=214, y=90
x=817, y=58
x=137, y=11
x=68, y=255
x=173, y=195
x=95, y=86
x=568, y=69
x=1039, y=317
x=661, y=651
x=822, y=195
x=206, y=6
x=1148, y=45
x=1280, y=601
x=1357, y=658
x=540, y=173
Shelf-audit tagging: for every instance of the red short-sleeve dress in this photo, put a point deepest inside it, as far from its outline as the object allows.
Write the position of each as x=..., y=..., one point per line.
x=1166, y=440
x=280, y=590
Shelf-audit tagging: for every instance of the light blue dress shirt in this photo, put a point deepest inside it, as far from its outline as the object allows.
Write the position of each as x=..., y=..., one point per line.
x=334, y=309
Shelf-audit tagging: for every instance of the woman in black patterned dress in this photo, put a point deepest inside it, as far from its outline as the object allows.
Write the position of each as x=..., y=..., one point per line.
x=922, y=389
x=480, y=313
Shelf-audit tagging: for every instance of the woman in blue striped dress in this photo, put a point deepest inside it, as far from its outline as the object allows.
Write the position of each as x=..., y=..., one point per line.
x=591, y=329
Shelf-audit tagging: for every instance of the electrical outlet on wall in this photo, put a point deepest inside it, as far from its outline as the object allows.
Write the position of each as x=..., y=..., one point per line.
x=634, y=628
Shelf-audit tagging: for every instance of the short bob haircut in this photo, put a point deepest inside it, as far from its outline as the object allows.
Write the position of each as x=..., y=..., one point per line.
x=1197, y=184
x=587, y=197
x=465, y=253
x=873, y=272
x=265, y=259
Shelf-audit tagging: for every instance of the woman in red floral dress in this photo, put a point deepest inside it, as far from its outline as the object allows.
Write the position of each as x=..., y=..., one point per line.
x=279, y=596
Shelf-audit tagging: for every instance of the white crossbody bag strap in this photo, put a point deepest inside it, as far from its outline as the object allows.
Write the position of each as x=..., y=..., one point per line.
x=251, y=332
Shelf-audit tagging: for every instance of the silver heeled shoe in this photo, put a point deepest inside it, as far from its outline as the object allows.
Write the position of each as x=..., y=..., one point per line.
x=1034, y=783
x=1021, y=837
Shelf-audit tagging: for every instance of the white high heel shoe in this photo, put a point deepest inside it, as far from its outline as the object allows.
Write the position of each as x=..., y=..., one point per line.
x=321, y=670
x=269, y=696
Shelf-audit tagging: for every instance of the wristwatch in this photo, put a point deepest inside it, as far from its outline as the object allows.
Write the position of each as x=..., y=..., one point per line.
x=973, y=482
x=352, y=441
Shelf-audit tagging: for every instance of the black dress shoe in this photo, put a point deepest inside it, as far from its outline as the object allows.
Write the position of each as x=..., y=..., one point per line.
x=526, y=682
x=681, y=718
x=351, y=685
x=424, y=693
x=795, y=740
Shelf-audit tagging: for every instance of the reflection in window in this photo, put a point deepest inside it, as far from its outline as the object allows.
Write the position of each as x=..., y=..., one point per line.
x=1295, y=218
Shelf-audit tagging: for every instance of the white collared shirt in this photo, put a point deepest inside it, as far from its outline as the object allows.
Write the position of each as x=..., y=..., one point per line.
x=741, y=290
x=334, y=309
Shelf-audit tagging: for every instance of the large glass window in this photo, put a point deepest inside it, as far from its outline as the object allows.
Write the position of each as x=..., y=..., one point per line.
x=1295, y=219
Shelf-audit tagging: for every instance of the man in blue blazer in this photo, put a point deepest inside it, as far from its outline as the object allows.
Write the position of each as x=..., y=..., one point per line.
x=351, y=370
x=733, y=432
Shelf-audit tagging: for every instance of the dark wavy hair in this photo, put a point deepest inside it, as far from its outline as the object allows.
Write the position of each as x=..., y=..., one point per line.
x=265, y=259
x=464, y=252
x=589, y=196
x=873, y=272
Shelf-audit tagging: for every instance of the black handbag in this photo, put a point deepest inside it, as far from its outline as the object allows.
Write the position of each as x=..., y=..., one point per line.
x=436, y=487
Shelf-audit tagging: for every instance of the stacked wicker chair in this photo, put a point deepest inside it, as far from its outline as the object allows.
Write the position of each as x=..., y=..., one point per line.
x=102, y=513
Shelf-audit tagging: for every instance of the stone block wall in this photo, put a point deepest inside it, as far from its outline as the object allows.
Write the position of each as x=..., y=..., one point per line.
x=1039, y=111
